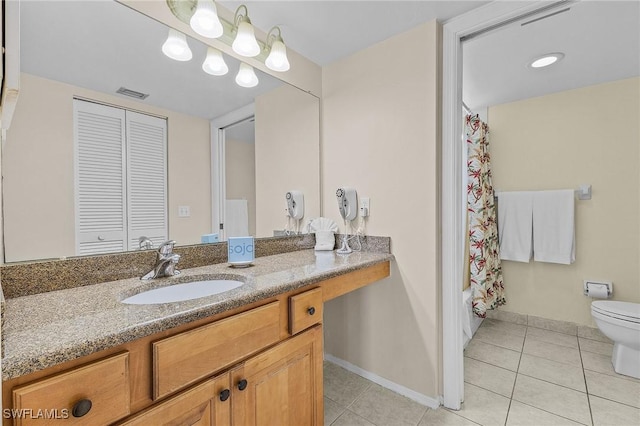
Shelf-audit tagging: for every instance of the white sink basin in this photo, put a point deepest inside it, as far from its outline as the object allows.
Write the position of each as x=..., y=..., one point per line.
x=182, y=292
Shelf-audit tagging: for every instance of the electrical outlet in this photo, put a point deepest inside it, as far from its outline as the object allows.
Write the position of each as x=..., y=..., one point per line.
x=184, y=211
x=365, y=206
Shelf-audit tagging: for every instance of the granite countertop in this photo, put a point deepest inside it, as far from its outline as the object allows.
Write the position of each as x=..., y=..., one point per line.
x=46, y=329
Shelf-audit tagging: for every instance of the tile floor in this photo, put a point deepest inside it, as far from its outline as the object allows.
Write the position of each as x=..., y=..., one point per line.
x=514, y=375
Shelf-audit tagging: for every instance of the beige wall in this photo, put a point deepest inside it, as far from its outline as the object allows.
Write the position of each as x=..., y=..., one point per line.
x=38, y=171
x=381, y=124
x=240, y=169
x=287, y=153
x=588, y=135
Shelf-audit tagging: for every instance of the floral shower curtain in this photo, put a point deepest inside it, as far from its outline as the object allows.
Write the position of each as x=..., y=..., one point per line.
x=485, y=272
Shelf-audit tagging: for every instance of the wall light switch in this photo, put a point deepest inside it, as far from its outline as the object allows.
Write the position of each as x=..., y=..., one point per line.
x=184, y=211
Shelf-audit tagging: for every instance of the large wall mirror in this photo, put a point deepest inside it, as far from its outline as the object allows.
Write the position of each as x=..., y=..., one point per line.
x=84, y=52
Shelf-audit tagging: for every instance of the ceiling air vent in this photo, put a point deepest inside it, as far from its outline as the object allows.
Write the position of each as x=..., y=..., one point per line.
x=132, y=93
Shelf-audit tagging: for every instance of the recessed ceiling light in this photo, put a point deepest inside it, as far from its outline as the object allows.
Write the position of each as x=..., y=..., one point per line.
x=546, y=60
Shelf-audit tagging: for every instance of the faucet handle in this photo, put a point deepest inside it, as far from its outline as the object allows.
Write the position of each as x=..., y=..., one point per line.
x=145, y=243
x=166, y=247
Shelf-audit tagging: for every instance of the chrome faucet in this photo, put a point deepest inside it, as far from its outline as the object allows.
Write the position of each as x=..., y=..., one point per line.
x=166, y=261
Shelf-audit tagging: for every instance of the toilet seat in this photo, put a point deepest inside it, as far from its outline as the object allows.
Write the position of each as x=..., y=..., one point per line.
x=624, y=311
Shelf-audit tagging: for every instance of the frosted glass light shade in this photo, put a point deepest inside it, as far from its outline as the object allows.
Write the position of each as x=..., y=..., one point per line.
x=246, y=76
x=277, y=59
x=214, y=64
x=205, y=20
x=176, y=46
x=245, y=43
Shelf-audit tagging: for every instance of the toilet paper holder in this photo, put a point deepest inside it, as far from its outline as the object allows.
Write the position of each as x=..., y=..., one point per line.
x=597, y=285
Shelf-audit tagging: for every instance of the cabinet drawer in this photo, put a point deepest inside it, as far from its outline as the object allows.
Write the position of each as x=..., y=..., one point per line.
x=190, y=356
x=104, y=383
x=305, y=310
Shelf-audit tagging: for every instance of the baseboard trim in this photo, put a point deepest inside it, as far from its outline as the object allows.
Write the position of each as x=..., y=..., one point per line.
x=404, y=391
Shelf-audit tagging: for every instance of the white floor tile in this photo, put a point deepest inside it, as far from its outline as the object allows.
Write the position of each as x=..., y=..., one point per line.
x=548, y=389
x=602, y=364
x=381, y=406
x=556, y=338
x=552, y=371
x=613, y=388
x=349, y=418
x=489, y=377
x=332, y=410
x=555, y=399
x=588, y=345
x=609, y=413
x=500, y=338
x=525, y=415
x=563, y=354
x=444, y=417
x=493, y=354
x=506, y=327
x=342, y=386
x=483, y=407
x=592, y=333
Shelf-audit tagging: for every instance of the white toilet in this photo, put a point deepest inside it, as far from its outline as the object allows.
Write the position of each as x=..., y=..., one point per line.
x=620, y=322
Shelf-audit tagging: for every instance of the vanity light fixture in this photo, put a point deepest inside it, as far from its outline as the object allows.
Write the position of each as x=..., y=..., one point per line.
x=245, y=42
x=277, y=59
x=205, y=20
x=176, y=46
x=214, y=64
x=246, y=76
x=202, y=15
x=546, y=60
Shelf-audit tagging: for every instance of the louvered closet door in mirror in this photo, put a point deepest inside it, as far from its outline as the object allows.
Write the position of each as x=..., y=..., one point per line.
x=147, y=178
x=121, y=178
x=100, y=181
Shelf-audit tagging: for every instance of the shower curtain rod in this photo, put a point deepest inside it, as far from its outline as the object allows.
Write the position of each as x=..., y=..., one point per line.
x=466, y=108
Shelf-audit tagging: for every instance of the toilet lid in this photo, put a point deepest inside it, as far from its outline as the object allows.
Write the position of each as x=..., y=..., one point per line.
x=622, y=310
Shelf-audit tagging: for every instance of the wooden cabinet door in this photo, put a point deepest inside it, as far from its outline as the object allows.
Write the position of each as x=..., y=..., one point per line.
x=281, y=386
x=207, y=404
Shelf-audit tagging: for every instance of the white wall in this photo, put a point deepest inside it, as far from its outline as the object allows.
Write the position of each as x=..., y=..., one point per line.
x=381, y=135
x=38, y=170
x=588, y=135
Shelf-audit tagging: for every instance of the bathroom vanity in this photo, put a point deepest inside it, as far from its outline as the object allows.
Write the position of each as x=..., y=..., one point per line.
x=252, y=355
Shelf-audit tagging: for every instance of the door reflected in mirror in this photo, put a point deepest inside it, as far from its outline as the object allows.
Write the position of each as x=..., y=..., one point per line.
x=69, y=50
x=240, y=179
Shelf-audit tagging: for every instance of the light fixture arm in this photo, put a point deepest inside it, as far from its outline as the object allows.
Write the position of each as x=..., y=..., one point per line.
x=241, y=17
x=272, y=37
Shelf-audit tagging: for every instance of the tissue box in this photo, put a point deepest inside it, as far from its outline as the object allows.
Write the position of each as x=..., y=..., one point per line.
x=209, y=238
x=241, y=249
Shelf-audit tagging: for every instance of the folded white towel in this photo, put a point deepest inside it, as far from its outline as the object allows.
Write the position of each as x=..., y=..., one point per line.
x=554, y=226
x=515, y=212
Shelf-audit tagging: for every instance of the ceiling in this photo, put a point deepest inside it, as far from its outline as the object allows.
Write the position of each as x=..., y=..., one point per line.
x=76, y=42
x=600, y=41
x=329, y=30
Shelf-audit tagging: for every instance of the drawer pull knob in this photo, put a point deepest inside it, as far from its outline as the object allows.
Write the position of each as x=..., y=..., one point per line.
x=311, y=310
x=81, y=408
x=242, y=384
x=224, y=395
